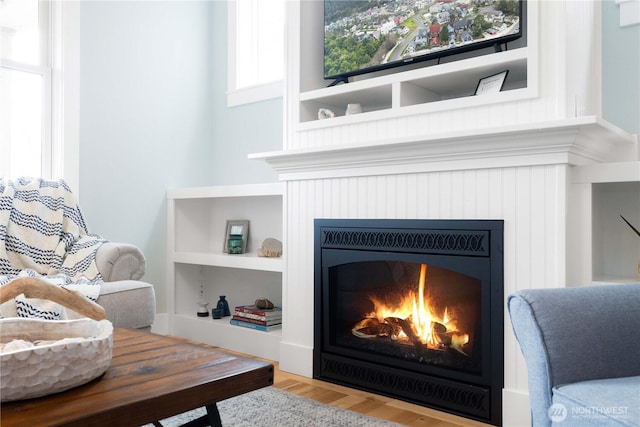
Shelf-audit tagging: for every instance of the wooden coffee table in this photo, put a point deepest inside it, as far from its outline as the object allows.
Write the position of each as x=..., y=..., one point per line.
x=151, y=377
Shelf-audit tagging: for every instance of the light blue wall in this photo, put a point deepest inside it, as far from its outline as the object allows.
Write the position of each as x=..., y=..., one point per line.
x=239, y=131
x=153, y=113
x=620, y=70
x=153, y=116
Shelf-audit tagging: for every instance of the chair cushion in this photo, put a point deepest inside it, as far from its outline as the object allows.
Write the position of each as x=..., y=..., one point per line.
x=128, y=303
x=607, y=402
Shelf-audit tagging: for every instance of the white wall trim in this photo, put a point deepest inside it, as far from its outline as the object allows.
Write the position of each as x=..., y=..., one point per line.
x=296, y=358
x=69, y=164
x=257, y=93
x=629, y=12
x=575, y=141
x=240, y=96
x=161, y=324
x=516, y=409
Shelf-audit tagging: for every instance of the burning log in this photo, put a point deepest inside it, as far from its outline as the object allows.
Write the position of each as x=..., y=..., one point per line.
x=371, y=327
x=413, y=320
x=407, y=328
x=458, y=340
x=396, y=327
x=440, y=333
x=397, y=331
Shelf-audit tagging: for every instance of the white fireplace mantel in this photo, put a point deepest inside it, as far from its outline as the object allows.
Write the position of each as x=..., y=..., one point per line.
x=576, y=141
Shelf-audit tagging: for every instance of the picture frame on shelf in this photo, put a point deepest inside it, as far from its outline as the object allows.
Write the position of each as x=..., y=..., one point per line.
x=236, y=236
x=491, y=84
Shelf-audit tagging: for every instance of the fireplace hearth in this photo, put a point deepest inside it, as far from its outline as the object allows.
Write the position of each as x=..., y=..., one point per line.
x=412, y=309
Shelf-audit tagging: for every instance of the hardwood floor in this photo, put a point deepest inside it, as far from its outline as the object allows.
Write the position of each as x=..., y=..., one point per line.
x=363, y=402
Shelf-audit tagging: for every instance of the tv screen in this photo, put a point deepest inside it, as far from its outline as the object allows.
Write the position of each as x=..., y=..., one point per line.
x=362, y=36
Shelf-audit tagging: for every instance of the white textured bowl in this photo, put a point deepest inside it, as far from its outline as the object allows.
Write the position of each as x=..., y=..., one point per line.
x=51, y=368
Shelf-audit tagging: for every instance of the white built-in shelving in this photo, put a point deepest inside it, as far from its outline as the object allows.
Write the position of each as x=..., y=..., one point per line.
x=605, y=191
x=196, y=219
x=423, y=90
x=433, y=86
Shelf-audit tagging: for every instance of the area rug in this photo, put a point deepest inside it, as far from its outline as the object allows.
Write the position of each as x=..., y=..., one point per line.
x=272, y=407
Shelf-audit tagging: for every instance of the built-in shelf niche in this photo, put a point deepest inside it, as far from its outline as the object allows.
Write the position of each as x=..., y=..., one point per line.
x=430, y=86
x=197, y=262
x=604, y=245
x=616, y=248
x=435, y=88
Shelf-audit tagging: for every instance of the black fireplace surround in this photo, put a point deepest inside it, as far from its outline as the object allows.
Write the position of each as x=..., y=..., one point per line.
x=412, y=309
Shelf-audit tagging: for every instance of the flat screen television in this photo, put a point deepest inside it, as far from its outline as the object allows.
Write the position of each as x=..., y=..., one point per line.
x=363, y=36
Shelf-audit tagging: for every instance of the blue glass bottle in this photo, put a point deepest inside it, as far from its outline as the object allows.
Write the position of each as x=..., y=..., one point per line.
x=224, y=305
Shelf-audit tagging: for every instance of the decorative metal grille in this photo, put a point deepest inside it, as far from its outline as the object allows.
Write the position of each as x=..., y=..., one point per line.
x=451, y=395
x=452, y=242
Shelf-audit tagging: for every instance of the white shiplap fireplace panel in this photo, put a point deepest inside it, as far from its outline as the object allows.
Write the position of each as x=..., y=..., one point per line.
x=530, y=200
x=520, y=176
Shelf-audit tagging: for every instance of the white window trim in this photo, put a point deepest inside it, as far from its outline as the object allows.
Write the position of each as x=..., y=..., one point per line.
x=64, y=107
x=251, y=94
x=629, y=12
x=68, y=136
x=60, y=72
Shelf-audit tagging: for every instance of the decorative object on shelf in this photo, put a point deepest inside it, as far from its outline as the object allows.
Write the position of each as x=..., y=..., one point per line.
x=271, y=248
x=263, y=315
x=325, y=113
x=256, y=312
x=203, y=304
x=250, y=325
x=353, y=109
x=492, y=84
x=256, y=326
x=224, y=306
x=217, y=313
x=629, y=224
x=237, y=233
x=263, y=303
x=637, y=232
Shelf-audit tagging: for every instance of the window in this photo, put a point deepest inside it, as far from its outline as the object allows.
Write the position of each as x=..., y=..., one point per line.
x=31, y=95
x=255, y=55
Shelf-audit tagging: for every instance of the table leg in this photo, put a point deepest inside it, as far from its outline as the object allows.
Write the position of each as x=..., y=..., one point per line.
x=214, y=415
x=211, y=419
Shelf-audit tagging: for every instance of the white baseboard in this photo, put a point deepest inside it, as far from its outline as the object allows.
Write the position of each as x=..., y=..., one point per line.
x=161, y=324
x=516, y=410
x=296, y=359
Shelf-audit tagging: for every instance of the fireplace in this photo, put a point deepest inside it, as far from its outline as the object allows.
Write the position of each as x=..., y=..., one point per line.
x=412, y=309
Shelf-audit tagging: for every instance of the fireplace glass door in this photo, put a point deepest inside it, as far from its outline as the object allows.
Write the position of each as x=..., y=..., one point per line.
x=414, y=312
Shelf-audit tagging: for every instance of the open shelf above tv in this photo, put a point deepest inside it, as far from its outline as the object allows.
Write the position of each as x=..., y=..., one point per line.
x=428, y=88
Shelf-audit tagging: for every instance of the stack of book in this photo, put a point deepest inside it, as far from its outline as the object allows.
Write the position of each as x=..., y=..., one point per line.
x=250, y=316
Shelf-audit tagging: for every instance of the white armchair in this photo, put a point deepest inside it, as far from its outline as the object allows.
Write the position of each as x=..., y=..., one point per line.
x=43, y=234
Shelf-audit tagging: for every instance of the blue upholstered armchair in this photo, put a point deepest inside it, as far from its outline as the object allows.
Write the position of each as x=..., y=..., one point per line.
x=582, y=349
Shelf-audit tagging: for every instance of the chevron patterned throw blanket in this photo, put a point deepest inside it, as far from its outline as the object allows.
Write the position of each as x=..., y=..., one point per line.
x=43, y=234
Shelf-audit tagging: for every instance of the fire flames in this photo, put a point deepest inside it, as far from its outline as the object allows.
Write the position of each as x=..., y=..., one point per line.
x=413, y=320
